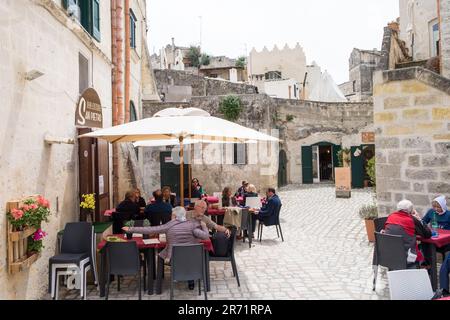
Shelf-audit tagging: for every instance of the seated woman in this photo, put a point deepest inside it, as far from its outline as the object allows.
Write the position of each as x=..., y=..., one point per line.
x=227, y=199
x=250, y=191
x=438, y=217
x=438, y=214
x=139, y=200
x=128, y=209
x=196, y=189
x=168, y=197
x=404, y=223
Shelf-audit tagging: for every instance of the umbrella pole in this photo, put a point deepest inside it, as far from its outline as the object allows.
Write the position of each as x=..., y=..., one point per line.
x=190, y=176
x=181, y=172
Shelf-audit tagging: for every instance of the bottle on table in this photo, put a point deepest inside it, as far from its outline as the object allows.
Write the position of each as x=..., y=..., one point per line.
x=434, y=225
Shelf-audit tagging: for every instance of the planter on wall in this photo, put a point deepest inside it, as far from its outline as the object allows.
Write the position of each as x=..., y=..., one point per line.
x=370, y=228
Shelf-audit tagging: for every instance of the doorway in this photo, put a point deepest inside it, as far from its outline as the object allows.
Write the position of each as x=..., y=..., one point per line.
x=282, y=169
x=170, y=172
x=368, y=153
x=93, y=173
x=319, y=161
x=325, y=163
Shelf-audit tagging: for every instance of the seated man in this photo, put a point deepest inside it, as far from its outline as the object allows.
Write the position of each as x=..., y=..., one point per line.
x=267, y=213
x=178, y=231
x=199, y=214
x=159, y=212
x=404, y=223
x=126, y=210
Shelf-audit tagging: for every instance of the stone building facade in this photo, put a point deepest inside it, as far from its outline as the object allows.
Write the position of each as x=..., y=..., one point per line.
x=299, y=124
x=41, y=153
x=362, y=64
x=179, y=86
x=412, y=122
x=445, y=36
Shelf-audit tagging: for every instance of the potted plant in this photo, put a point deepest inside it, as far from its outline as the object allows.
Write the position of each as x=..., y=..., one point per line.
x=129, y=224
x=369, y=213
x=88, y=204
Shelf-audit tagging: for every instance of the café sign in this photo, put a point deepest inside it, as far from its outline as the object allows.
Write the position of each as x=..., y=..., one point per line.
x=89, y=110
x=368, y=137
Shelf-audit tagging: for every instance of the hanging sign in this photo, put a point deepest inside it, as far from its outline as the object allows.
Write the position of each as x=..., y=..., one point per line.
x=368, y=137
x=89, y=110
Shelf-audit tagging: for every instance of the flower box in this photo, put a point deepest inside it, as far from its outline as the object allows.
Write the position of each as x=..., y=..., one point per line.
x=18, y=256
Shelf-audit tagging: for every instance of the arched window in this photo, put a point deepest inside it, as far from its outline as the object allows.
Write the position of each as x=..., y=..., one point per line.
x=133, y=114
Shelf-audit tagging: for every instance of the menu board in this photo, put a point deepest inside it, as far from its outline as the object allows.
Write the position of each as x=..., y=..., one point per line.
x=343, y=182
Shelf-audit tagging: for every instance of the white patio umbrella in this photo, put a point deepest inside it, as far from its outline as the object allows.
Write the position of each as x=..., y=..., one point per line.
x=180, y=124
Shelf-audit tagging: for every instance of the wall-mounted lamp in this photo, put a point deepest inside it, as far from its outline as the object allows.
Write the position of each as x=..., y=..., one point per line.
x=57, y=140
x=33, y=74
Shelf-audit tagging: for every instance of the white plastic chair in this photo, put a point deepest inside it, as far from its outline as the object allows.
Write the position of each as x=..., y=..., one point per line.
x=412, y=284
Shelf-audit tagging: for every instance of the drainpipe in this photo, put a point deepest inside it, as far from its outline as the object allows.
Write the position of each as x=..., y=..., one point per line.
x=117, y=91
x=127, y=60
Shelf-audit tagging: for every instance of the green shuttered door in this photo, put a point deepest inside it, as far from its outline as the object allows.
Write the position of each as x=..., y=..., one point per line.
x=307, y=165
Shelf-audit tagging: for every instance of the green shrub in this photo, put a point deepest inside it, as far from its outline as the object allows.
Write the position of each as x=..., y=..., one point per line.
x=370, y=170
x=194, y=55
x=368, y=212
x=241, y=62
x=231, y=107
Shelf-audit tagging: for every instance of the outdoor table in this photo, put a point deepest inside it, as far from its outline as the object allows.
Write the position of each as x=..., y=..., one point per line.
x=208, y=246
x=238, y=221
x=217, y=215
x=148, y=249
x=430, y=245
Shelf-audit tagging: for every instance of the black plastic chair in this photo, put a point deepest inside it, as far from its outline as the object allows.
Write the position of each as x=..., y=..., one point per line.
x=77, y=253
x=123, y=260
x=379, y=223
x=188, y=263
x=276, y=224
x=229, y=255
x=389, y=253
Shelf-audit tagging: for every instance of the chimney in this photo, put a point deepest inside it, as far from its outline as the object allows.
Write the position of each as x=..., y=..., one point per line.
x=173, y=43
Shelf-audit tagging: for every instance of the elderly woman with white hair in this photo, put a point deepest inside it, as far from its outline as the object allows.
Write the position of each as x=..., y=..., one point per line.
x=403, y=222
x=178, y=231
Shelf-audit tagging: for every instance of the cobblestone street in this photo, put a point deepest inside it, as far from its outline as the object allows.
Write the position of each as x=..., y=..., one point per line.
x=325, y=255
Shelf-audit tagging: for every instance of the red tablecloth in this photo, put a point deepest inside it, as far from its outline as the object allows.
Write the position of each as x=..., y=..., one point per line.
x=141, y=245
x=446, y=298
x=442, y=240
x=211, y=199
x=216, y=212
x=239, y=199
x=108, y=213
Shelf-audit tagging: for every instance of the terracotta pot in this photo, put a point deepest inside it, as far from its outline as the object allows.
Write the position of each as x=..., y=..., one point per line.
x=370, y=228
x=366, y=183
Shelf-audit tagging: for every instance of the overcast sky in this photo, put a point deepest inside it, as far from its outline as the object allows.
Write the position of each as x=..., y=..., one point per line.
x=328, y=30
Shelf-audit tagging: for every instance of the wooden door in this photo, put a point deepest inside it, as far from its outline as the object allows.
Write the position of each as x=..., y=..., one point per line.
x=170, y=172
x=102, y=192
x=357, y=167
x=307, y=165
x=85, y=167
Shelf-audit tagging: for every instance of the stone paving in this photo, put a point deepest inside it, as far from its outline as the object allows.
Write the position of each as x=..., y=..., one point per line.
x=325, y=255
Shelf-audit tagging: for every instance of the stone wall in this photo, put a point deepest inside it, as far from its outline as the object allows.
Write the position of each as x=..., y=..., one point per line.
x=46, y=105
x=412, y=119
x=445, y=37
x=200, y=86
x=339, y=123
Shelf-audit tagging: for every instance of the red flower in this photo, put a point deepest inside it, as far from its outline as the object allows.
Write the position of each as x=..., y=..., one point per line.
x=17, y=214
x=43, y=202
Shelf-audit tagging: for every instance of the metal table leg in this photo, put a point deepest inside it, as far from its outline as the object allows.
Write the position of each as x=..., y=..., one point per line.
x=150, y=269
x=159, y=275
x=208, y=279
